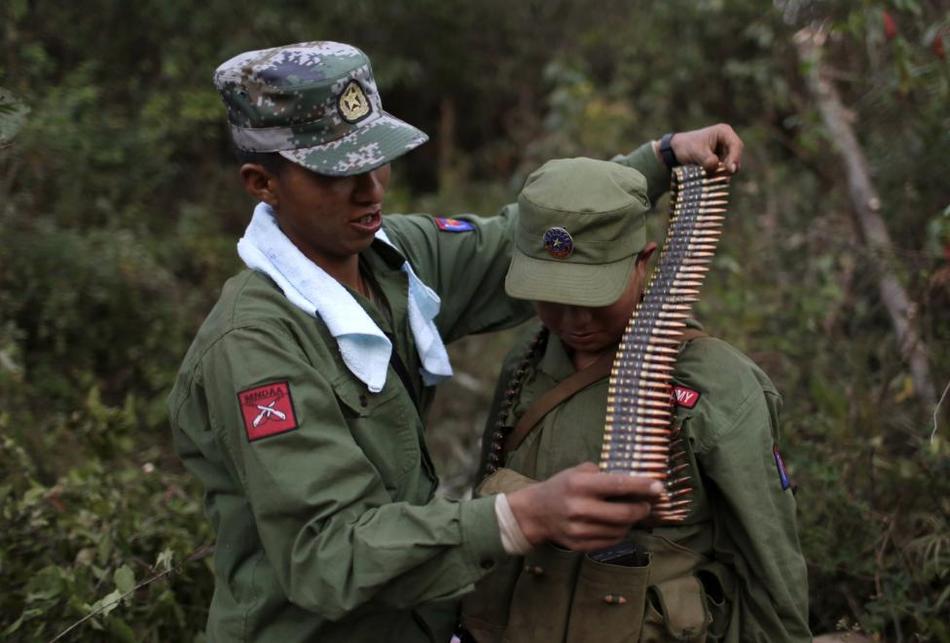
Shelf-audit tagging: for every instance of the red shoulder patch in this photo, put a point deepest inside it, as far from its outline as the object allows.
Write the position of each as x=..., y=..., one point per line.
x=268, y=410
x=685, y=397
x=447, y=224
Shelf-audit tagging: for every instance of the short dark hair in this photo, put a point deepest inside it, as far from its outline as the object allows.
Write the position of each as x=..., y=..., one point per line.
x=270, y=161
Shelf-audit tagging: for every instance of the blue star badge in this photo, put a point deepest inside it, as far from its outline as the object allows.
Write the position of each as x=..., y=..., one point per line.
x=558, y=242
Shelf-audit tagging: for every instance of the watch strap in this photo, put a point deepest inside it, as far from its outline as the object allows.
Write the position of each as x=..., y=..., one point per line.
x=666, y=151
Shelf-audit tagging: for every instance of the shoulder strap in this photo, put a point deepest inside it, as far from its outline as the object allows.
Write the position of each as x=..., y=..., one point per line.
x=567, y=388
x=689, y=334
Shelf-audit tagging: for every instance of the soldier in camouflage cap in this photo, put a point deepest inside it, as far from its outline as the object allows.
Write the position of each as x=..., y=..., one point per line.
x=301, y=403
x=316, y=104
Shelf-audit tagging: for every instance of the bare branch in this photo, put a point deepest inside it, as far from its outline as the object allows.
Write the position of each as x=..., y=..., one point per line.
x=865, y=205
x=198, y=554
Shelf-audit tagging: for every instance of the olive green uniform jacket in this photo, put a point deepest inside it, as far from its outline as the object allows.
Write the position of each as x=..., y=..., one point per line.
x=331, y=531
x=732, y=571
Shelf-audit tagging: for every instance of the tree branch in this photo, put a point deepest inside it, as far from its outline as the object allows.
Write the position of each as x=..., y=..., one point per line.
x=865, y=205
x=202, y=552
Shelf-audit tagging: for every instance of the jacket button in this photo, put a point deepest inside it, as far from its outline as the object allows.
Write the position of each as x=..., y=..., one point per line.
x=487, y=563
x=363, y=399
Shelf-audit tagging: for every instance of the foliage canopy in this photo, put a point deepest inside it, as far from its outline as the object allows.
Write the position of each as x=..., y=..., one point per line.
x=119, y=210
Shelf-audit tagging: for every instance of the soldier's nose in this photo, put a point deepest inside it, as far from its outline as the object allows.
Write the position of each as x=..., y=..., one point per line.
x=577, y=317
x=370, y=187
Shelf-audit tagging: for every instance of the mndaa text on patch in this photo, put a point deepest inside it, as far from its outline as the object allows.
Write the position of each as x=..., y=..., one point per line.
x=267, y=410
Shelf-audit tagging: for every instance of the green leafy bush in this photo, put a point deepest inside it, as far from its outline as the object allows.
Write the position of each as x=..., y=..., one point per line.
x=119, y=210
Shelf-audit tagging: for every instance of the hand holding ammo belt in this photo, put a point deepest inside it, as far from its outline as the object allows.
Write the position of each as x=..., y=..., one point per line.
x=560, y=595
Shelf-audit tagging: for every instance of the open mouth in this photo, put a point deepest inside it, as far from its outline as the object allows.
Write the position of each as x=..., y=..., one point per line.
x=369, y=222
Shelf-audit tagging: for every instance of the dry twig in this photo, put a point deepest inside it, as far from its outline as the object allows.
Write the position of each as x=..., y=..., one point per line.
x=866, y=204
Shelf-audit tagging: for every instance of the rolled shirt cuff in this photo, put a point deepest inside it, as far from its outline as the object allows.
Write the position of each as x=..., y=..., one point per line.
x=512, y=538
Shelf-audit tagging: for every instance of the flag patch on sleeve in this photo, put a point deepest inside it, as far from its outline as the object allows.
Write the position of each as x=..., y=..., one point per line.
x=685, y=397
x=446, y=224
x=780, y=465
x=267, y=410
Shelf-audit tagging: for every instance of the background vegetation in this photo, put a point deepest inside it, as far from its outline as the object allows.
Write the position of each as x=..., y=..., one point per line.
x=119, y=210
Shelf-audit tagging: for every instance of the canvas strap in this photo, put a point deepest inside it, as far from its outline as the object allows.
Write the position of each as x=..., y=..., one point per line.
x=567, y=388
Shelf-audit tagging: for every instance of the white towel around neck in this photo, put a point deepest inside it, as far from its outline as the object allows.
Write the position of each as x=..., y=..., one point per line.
x=364, y=347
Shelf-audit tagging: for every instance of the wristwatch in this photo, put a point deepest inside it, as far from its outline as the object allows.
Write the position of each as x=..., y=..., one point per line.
x=666, y=151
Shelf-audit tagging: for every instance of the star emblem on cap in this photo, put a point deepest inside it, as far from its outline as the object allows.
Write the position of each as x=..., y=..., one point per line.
x=558, y=242
x=352, y=103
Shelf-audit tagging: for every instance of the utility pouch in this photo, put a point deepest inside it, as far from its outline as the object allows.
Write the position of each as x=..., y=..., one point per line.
x=718, y=583
x=676, y=610
x=676, y=599
x=485, y=610
x=542, y=597
x=609, y=597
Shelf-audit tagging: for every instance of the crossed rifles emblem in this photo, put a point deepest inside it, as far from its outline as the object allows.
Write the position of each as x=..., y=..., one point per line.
x=266, y=413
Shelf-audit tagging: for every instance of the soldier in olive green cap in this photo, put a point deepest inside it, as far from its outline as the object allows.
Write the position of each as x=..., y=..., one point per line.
x=733, y=570
x=300, y=403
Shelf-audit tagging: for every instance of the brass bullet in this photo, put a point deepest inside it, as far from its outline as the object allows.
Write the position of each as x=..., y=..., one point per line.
x=652, y=357
x=664, y=349
x=641, y=429
x=652, y=452
x=679, y=493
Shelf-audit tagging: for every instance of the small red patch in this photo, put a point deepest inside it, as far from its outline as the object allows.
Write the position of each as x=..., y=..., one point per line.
x=268, y=410
x=447, y=224
x=686, y=397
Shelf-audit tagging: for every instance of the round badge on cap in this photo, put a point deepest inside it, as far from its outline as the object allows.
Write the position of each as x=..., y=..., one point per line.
x=352, y=103
x=558, y=242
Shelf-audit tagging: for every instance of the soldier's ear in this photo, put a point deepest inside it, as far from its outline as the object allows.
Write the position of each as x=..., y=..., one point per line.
x=646, y=253
x=260, y=184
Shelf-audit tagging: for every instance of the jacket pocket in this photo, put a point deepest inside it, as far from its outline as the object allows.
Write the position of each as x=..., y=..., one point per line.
x=384, y=426
x=676, y=610
x=542, y=596
x=608, y=602
x=485, y=610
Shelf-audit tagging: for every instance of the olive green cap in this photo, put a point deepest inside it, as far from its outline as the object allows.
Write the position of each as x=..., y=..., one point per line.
x=581, y=224
x=314, y=103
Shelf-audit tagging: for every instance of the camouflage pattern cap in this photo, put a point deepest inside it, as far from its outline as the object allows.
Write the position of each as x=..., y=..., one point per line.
x=581, y=225
x=316, y=104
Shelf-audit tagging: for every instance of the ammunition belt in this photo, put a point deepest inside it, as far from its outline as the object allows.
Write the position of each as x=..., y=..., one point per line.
x=639, y=436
